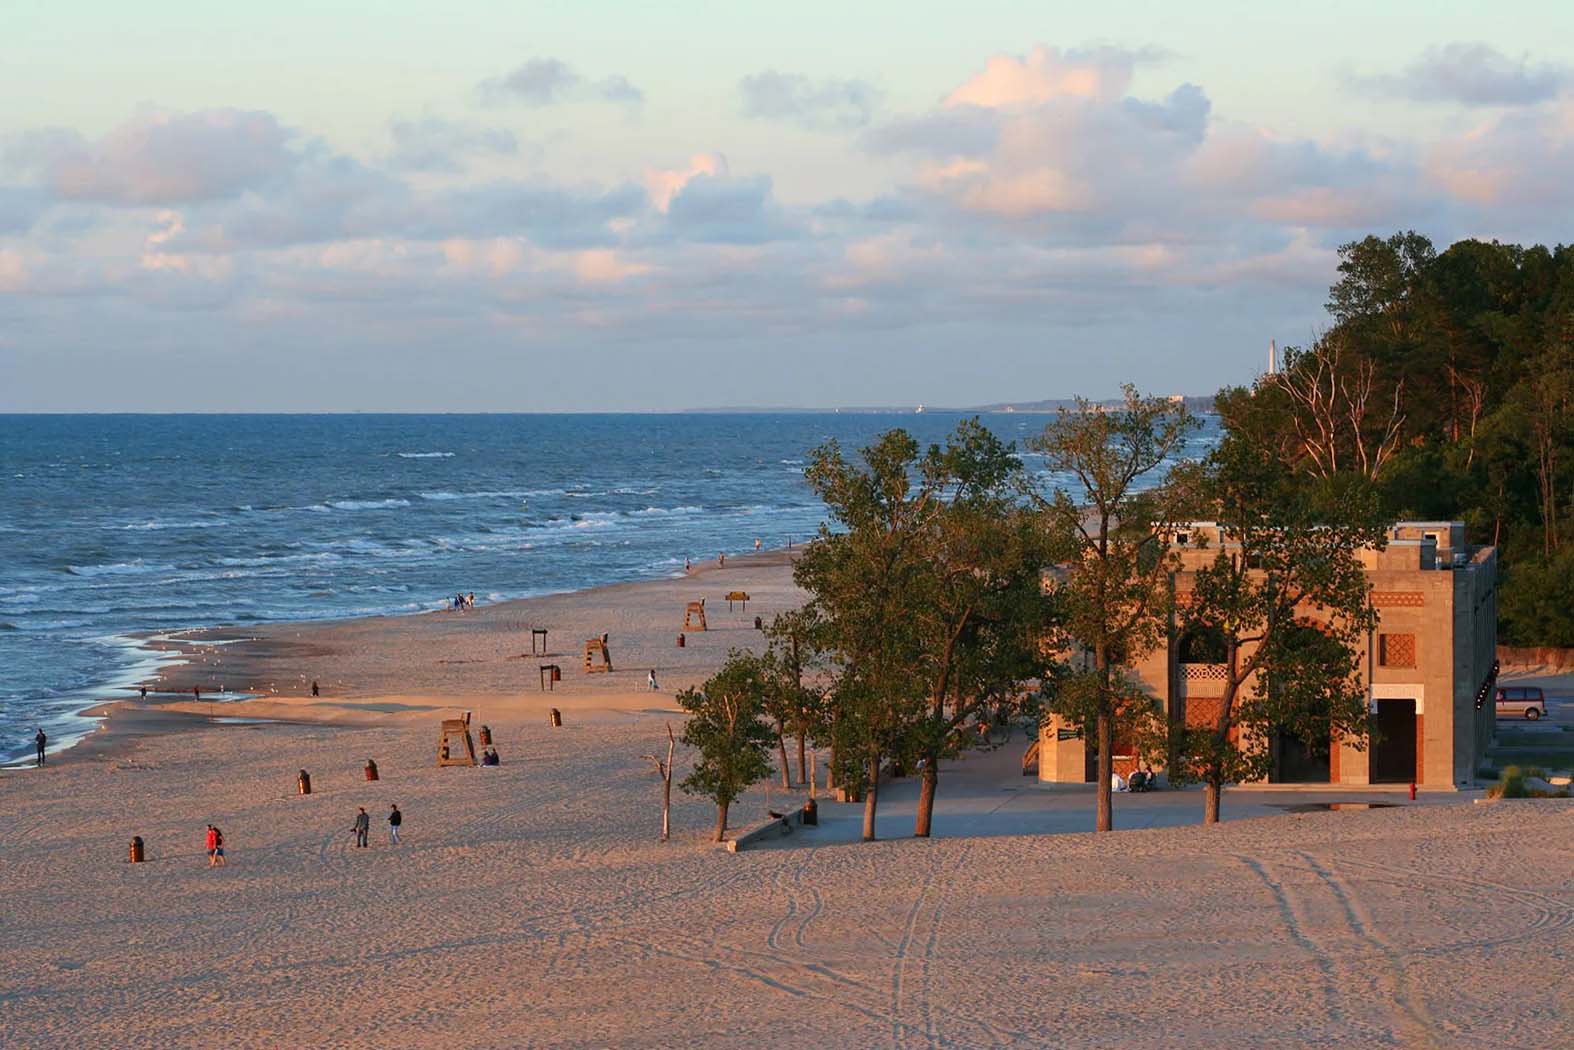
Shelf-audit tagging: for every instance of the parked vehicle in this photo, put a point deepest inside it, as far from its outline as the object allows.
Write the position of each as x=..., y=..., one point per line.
x=1526, y=701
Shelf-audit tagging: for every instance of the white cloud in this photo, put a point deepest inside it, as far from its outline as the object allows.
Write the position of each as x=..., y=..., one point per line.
x=1471, y=75
x=159, y=157
x=664, y=183
x=548, y=81
x=435, y=144
x=792, y=97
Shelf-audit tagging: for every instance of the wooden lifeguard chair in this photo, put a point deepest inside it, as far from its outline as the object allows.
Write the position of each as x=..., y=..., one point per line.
x=694, y=616
x=454, y=747
x=596, y=649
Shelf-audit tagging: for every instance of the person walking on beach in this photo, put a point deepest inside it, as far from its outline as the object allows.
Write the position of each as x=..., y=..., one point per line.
x=40, y=739
x=395, y=818
x=652, y=680
x=215, y=847
x=363, y=827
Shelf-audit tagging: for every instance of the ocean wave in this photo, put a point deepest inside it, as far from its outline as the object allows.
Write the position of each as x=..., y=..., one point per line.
x=360, y=504
x=484, y=494
x=425, y=455
x=687, y=509
x=119, y=568
x=155, y=524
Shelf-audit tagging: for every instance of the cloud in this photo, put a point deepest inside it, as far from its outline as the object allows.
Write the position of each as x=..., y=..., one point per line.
x=548, y=81
x=1471, y=75
x=664, y=183
x=1513, y=169
x=827, y=104
x=722, y=209
x=1047, y=73
x=435, y=144
x=159, y=157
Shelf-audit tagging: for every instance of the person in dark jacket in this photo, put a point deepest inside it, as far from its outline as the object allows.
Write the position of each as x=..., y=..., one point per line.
x=40, y=739
x=362, y=828
x=395, y=818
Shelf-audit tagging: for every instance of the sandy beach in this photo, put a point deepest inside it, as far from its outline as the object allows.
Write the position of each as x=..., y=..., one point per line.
x=532, y=905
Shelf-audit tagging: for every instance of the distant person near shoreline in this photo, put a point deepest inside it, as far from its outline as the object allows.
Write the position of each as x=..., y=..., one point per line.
x=40, y=739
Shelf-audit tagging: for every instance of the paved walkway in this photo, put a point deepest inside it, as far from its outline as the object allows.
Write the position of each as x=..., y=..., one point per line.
x=984, y=794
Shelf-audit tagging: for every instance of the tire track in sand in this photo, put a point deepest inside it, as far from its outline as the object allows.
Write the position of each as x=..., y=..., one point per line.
x=1295, y=924
x=1409, y=1006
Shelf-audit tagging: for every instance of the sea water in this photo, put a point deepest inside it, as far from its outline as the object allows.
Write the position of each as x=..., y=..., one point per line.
x=115, y=526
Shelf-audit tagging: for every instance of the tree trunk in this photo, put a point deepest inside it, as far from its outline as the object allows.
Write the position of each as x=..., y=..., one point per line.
x=1210, y=800
x=871, y=792
x=721, y=822
x=803, y=767
x=1106, y=767
x=926, y=795
x=781, y=746
x=666, y=808
x=830, y=768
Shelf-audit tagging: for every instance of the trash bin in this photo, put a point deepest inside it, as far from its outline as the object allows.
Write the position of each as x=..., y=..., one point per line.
x=371, y=770
x=486, y=736
x=303, y=783
x=557, y=719
x=811, y=813
x=759, y=624
x=137, y=856
x=682, y=641
x=557, y=673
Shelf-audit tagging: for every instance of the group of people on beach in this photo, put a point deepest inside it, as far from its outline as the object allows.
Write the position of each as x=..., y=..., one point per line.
x=464, y=601
x=362, y=827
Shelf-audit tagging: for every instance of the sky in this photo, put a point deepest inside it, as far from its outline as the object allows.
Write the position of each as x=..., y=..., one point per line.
x=597, y=206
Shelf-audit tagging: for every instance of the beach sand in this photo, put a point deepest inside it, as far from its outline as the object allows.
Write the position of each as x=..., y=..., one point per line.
x=532, y=905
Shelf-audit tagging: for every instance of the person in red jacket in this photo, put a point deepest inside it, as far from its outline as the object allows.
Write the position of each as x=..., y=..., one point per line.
x=213, y=846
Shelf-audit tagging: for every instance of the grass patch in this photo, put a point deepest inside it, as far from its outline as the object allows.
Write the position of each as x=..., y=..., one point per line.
x=1514, y=784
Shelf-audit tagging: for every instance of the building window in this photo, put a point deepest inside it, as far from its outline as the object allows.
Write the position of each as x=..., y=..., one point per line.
x=1396, y=650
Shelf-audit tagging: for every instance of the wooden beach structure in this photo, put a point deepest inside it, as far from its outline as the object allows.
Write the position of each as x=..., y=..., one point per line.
x=454, y=745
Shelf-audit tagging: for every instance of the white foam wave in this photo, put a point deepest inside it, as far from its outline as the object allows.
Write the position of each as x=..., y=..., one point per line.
x=484, y=494
x=155, y=524
x=364, y=504
x=425, y=455
x=120, y=568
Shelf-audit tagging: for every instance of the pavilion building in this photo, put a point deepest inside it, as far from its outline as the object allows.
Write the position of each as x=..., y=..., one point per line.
x=1426, y=666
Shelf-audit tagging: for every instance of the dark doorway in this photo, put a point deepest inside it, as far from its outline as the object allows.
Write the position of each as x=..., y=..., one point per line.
x=1394, y=746
x=1297, y=762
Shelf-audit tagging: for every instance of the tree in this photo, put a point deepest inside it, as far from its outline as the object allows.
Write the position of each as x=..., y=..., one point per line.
x=664, y=770
x=727, y=728
x=983, y=612
x=863, y=578
x=796, y=708
x=1287, y=597
x=1115, y=598
x=928, y=597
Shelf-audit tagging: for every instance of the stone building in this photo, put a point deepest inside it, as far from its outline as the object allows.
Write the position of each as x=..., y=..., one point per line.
x=1424, y=665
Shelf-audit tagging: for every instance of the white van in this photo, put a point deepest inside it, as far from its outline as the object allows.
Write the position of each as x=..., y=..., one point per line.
x=1526, y=701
